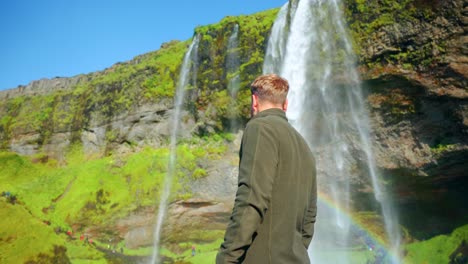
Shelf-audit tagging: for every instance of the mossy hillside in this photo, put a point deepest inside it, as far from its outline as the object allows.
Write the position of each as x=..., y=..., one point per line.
x=79, y=192
x=205, y=253
x=148, y=79
x=212, y=96
x=369, y=20
x=89, y=192
x=119, y=89
x=86, y=190
x=440, y=249
x=9, y=109
x=451, y=248
x=22, y=233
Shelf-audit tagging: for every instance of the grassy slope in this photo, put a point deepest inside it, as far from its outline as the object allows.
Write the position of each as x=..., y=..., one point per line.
x=23, y=233
x=94, y=191
x=83, y=193
x=437, y=249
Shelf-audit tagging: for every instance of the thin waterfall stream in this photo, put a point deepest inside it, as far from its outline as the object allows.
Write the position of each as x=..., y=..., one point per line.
x=233, y=78
x=314, y=53
x=189, y=64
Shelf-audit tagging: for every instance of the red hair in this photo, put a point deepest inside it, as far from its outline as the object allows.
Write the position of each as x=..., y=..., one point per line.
x=271, y=88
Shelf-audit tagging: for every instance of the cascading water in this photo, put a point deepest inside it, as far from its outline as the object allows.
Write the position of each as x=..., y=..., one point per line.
x=189, y=65
x=232, y=69
x=309, y=47
x=277, y=43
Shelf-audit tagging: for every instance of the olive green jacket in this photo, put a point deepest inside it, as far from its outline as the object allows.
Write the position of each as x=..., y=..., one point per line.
x=276, y=200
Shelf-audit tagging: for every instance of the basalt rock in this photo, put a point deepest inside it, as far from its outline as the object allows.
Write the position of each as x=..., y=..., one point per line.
x=418, y=109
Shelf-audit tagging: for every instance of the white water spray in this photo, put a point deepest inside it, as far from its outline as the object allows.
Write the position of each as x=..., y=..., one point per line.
x=188, y=64
x=277, y=43
x=326, y=106
x=232, y=69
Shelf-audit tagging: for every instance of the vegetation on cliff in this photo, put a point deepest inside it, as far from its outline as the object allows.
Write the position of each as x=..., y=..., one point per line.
x=449, y=248
x=381, y=21
x=147, y=79
x=87, y=195
x=112, y=92
x=213, y=78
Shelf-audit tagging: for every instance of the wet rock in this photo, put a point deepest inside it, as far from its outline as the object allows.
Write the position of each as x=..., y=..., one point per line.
x=137, y=228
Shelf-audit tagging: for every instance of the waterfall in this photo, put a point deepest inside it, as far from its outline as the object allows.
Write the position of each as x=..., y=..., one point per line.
x=232, y=69
x=314, y=53
x=277, y=43
x=189, y=65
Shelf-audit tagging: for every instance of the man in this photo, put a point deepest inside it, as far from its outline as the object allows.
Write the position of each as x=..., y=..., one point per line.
x=276, y=200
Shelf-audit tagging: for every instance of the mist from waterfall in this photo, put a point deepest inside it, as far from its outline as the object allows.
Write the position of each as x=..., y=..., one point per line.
x=232, y=76
x=187, y=72
x=309, y=46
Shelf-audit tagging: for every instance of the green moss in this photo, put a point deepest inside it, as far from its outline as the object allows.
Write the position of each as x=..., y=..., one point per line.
x=42, y=114
x=23, y=237
x=111, y=135
x=206, y=242
x=199, y=173
x=212, y=96
x=9, y=109
x=167, y=62
x=437, y=249
x=441, y=148
x=108, y=93
x=34, y=113
x=82, y=191
x=420, y=58
x=205, y=252
x=375, y=14
x=64, y=111
x=58, y=255
x=368, y=17
x=84, y=253
x=149, y=78
x=90, y=191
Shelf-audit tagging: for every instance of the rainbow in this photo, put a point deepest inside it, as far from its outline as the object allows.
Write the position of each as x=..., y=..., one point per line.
x=370, y=236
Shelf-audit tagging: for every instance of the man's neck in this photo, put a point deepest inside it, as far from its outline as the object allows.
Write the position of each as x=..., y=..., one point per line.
x=267, y=105
x=261, y=109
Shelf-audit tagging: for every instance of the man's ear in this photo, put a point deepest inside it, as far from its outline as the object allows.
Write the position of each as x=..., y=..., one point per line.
x=254, y=105
x=285, y=105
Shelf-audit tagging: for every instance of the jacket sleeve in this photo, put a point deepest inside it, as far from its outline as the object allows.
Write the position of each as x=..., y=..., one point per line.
x=257, y=170
x=311, y=212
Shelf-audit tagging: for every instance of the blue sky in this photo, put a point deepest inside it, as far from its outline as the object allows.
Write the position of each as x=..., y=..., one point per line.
x=49, y=38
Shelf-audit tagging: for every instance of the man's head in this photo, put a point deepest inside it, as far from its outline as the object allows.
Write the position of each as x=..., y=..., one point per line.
x=269, y=91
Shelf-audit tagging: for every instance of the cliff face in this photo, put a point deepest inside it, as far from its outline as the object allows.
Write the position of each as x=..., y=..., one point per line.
x=414, y=69
x=413, y=57
x=131, y=103
x=116, y=107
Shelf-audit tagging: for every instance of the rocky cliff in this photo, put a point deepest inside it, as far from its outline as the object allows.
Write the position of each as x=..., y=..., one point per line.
x=130, y=103
x=414, y=69
x=413, y=59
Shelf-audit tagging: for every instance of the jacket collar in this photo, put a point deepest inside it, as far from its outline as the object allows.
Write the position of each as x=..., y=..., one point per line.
x=272, y=112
